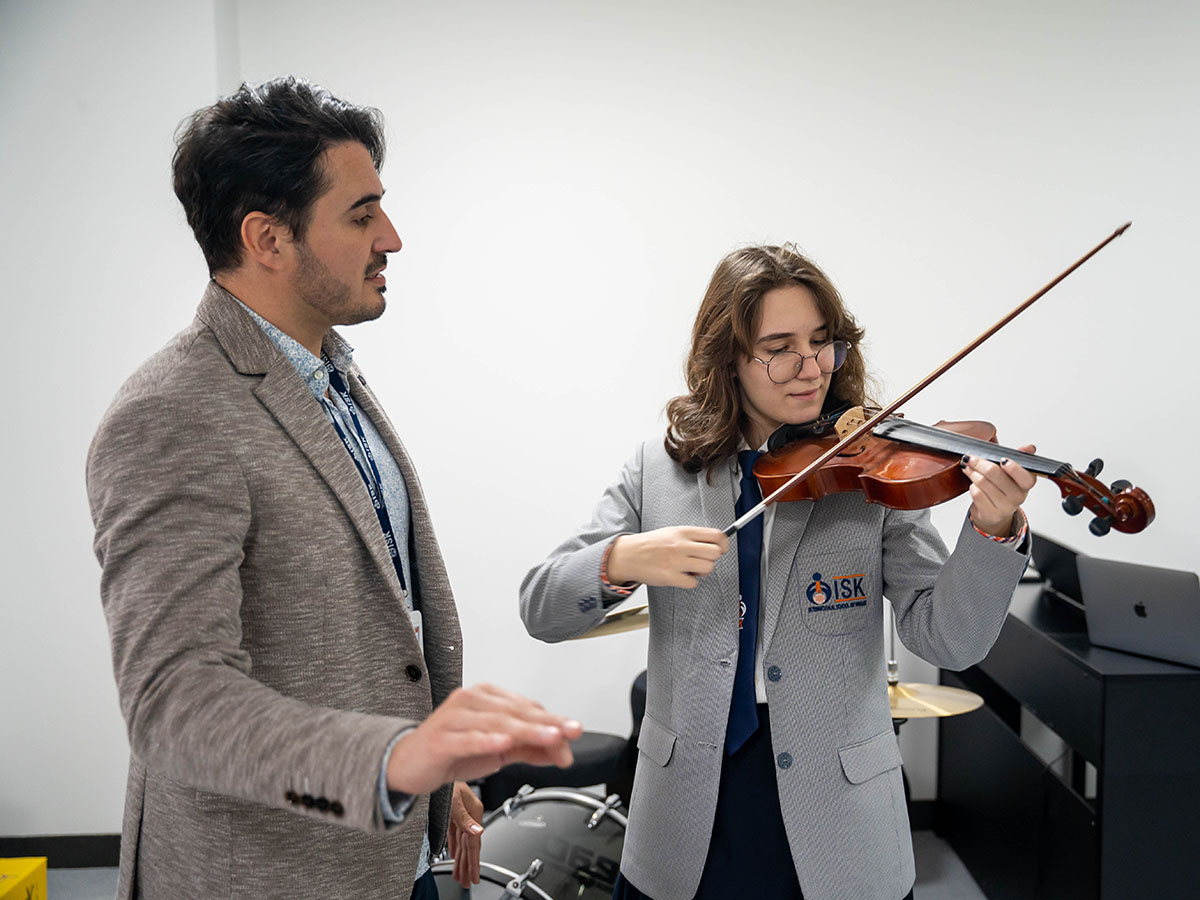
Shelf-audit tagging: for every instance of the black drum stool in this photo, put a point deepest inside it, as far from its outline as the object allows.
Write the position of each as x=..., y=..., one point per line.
x=596, y=755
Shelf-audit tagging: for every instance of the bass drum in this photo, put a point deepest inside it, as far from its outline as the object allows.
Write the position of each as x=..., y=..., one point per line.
x=495, y=883
x=572, y=839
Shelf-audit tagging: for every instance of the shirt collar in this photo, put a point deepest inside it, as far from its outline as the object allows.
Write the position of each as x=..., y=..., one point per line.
x=306, y=364
x=742, y=445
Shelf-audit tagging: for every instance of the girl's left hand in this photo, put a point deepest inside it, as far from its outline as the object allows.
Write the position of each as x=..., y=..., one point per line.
x=997, y=490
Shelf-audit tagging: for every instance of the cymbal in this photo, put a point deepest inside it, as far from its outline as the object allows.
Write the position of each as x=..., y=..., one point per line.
x=619, y=621
x=910, y=700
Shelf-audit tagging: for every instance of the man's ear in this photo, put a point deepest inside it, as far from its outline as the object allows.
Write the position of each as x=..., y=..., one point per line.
x=265, y=240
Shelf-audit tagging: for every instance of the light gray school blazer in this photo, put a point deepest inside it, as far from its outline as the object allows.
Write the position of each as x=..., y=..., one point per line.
x=263, y=652
x=837, y=759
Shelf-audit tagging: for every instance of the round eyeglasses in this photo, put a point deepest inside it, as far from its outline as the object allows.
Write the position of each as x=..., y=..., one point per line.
x=785, y=365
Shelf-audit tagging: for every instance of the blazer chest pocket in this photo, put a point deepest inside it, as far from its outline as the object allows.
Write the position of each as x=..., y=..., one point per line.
x=656, y=741
x=836, y=592
x=865, y=760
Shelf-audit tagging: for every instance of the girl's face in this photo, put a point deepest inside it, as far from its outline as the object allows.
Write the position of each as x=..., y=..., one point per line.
x=788, y=319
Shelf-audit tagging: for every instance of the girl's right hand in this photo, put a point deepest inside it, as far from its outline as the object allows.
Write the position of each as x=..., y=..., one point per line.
x=667, y=557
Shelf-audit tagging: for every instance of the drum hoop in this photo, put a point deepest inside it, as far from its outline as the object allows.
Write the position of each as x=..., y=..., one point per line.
x=580, y=797
x=507, y=874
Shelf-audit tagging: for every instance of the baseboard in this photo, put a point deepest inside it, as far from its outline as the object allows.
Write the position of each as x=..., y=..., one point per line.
x=89, y=851
x=920, y=814
x=67, y=851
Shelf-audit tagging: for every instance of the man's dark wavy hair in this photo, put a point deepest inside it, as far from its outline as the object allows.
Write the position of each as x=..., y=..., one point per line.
x=260, y=149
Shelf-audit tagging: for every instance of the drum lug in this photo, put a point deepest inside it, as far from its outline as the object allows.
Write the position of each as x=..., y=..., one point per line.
x=610, y=802
x=514, y=801
x=516, y=887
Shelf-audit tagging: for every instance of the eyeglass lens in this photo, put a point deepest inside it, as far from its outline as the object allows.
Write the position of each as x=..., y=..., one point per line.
x=786, y=364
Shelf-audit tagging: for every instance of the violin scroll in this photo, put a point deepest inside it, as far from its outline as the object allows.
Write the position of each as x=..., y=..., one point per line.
x=1122, y=506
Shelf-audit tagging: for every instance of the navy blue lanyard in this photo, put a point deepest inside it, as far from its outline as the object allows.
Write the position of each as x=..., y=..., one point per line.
x=374, y=485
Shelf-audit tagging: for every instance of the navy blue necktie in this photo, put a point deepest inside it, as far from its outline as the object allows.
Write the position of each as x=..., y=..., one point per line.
x=743, y=709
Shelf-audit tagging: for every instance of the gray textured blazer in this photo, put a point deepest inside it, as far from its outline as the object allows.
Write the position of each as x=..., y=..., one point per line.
x=263, y=654
x=838, y=763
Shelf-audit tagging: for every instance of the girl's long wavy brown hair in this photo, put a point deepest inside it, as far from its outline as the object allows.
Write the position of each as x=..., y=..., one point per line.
x=705, y=424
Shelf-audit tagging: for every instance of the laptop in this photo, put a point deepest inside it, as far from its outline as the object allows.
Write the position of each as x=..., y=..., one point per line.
x=1142, y=609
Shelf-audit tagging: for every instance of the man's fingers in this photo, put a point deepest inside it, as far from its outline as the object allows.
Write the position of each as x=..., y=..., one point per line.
x=518, y=729
x=487, y=699
x=474, y=808
x=499, y=695
x=473, y=859
x=465, y=811
x=460, y=871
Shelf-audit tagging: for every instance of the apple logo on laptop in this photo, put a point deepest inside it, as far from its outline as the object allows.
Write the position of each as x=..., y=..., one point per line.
x=1140, y=609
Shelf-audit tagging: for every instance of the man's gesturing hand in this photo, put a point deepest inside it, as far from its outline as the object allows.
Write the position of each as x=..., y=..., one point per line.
x=475, y=732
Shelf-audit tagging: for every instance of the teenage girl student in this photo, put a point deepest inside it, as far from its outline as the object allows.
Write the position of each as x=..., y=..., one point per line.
x=767, y=762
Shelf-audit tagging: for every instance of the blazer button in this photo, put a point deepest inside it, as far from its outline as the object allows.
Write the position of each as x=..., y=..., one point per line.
x=337, y=809
x=322, y=804
x=784, y=760
x=292, y=797
x=774, y=673
x=413, y=673
x=308, y=800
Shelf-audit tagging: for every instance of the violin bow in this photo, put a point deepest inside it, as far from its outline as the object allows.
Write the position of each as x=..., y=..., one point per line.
x=937, y=373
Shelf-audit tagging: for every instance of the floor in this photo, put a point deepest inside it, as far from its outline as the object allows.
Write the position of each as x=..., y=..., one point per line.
x=940, y=876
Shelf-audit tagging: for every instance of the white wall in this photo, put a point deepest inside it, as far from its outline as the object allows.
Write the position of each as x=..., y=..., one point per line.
x=565, y=177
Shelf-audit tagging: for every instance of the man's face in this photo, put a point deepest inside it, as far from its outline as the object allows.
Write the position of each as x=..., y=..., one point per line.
x=339, y=264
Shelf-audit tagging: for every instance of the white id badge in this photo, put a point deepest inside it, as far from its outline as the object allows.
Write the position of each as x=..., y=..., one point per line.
x=415, y=616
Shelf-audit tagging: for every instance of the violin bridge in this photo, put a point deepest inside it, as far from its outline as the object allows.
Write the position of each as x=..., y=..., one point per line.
x=853, y=418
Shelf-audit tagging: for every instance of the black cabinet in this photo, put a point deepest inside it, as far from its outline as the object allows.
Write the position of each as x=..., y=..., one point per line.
x=1021, y=830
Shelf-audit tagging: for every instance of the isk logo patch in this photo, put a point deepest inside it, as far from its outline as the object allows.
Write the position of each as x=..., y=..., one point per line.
x=836, y=592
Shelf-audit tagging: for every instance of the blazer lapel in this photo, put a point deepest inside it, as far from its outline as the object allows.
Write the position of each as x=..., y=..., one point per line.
x=786, y=531
x=716, y=503
x=289, y=400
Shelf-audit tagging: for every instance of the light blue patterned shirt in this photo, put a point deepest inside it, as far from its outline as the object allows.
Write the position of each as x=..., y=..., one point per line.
x=395, y=496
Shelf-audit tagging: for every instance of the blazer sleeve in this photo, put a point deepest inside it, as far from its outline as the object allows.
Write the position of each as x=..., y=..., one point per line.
x=949, y=610
x=563, y=596
x=172, y=512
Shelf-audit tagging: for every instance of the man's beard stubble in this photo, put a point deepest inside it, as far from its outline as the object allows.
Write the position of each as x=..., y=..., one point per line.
x=320, y=289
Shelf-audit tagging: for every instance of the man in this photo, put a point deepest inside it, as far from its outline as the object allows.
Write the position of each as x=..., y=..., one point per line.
x=284, y=638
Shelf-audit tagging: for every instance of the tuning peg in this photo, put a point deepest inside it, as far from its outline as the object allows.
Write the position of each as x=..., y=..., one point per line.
x=1073, y=505
x=1094, y=467
x=1121, y=485
x=1100, y=526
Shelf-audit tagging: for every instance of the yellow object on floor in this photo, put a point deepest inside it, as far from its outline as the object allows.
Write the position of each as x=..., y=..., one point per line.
x=23, y=878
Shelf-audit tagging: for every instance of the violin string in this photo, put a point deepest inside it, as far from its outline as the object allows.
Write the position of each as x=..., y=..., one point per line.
x=952, y=442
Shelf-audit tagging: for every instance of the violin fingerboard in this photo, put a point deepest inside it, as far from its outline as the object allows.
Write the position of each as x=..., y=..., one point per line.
x=952, y=442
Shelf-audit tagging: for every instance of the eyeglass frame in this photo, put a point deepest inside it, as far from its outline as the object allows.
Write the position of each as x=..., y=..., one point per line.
x=800, y=365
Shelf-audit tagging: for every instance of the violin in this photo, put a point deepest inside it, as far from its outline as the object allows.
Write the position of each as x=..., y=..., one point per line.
x=907, y=465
